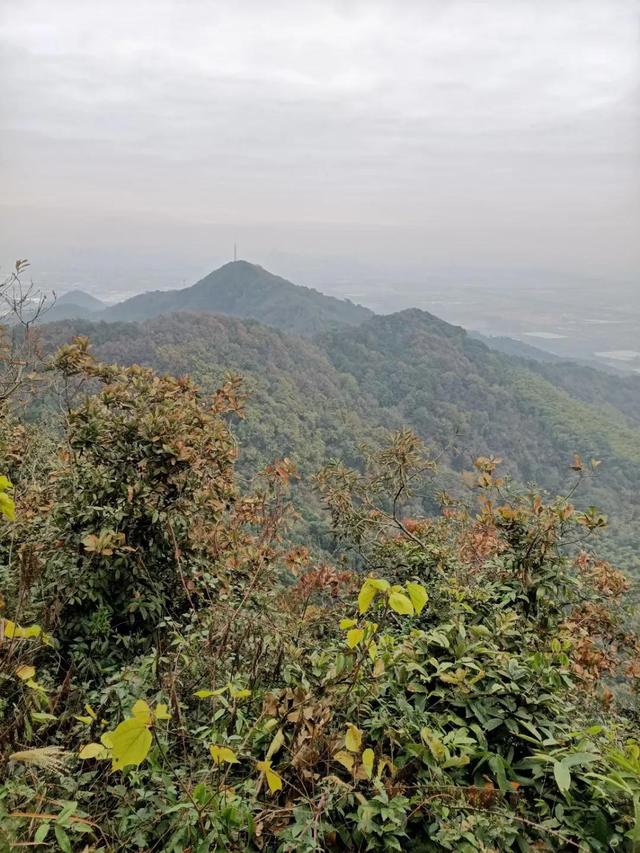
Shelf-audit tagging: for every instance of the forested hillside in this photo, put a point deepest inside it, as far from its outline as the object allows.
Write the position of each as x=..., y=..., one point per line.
x=178, y=674
x=315, y=399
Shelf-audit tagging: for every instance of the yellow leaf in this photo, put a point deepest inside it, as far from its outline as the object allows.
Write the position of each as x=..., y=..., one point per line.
x=373, y=650
x=400, y=603
x=367, y=762
x=353, y=738
x=238, y=694
x=35, y=686
x=90, y=718
x=378, y=668
x=7, y=506
x=11, y=631
x=366, y=595
x=348, y=623
x=346, y=759
x=131, y=743
x=354, y=636
x=107, y=740
x=379, y=583
x=205, y=694
x=25, y=672
x=438, y=749
x=457, y=677
x=273, y=780
x=142, y=711
x=221, y=754
x=93, y=750
x=418, y=595
x=276, y=743
x=161, y=712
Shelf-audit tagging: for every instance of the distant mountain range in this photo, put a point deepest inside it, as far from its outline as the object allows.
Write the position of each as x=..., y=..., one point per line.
x=242, y=289
x=324, y=374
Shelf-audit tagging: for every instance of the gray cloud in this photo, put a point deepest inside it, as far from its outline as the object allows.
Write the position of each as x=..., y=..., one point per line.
x=486, y=132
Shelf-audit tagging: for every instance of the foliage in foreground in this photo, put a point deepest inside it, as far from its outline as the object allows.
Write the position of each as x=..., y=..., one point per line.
x=175, y=676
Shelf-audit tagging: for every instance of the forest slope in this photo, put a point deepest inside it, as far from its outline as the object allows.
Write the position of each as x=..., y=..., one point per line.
x=312, y=400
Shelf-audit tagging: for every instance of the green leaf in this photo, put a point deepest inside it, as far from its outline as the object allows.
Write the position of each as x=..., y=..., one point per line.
x=562, y=776
x=418, y=595
x=41, y=832
x=63, y=839
x=400, y=603
x=131, y=743
x=579, y=758
x=43, y=717
x=65, y=814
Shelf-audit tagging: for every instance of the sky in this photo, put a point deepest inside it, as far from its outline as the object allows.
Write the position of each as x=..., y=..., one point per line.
x=139, y=140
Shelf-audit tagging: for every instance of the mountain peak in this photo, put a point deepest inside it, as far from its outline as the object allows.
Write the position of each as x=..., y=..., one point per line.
x=242, y=289
x=81, y=298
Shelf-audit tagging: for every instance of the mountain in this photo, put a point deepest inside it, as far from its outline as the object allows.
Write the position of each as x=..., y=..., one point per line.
x=74, y=304
x=312, y=399
x=241, y=289
x=82, y=299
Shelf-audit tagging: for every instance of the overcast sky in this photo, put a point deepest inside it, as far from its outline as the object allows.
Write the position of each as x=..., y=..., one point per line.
x=503, y=133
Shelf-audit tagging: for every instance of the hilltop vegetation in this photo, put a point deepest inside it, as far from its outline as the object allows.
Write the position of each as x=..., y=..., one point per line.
x=176, y=675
